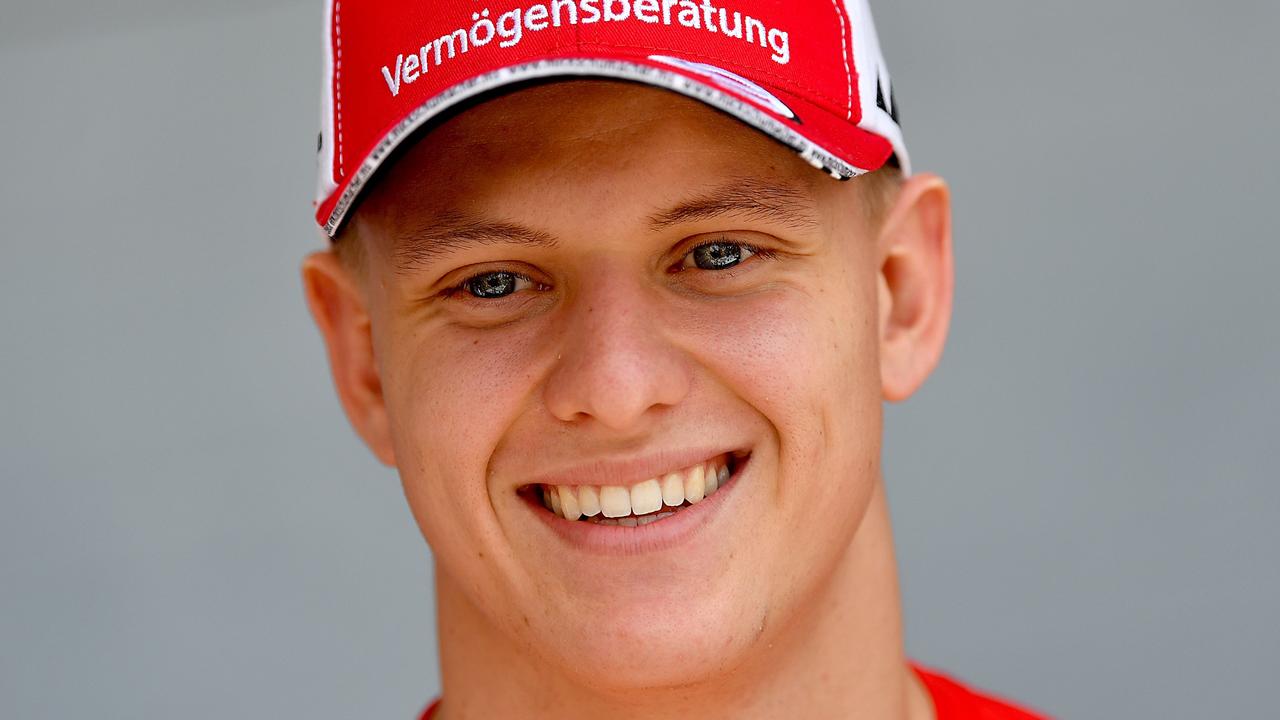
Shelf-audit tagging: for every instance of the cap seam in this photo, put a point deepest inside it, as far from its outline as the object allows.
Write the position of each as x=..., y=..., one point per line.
x=337, y=82
x=844, y=55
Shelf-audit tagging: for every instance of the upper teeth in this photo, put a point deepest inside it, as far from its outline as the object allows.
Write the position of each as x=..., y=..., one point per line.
x=673, y=489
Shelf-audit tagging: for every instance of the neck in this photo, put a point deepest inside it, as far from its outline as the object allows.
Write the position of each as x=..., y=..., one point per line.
x=842, y=657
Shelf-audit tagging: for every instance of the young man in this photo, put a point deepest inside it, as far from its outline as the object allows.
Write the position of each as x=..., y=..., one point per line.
x=626, y=339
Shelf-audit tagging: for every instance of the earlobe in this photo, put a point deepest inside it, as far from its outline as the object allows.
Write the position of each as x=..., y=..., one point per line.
x=340, y=311
x=915, y=285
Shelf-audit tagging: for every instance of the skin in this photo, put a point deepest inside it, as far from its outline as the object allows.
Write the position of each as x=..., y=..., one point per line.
x=785, y=604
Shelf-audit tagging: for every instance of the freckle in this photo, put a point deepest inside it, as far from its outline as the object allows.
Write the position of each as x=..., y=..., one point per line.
x=480, y=554
x=526, y=619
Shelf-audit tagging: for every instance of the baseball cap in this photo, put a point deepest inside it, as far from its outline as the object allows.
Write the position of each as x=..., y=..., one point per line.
x=808, y=73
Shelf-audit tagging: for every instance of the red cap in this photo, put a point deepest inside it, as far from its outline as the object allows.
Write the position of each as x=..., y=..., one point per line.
x=808, y=73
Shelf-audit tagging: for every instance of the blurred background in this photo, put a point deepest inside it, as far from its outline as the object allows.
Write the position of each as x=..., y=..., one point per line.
x=1085, y=493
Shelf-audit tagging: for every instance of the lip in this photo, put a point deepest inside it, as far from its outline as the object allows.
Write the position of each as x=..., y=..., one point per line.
x=616, y=540
x=629, y=471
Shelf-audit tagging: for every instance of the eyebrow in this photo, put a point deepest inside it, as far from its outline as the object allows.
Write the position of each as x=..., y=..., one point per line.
x=452, y=232
x=752, y=198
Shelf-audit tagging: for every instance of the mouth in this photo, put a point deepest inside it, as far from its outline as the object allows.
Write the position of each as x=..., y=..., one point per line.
x=648, y=501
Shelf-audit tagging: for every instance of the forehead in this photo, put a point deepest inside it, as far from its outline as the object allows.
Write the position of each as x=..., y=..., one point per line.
x=595, y=143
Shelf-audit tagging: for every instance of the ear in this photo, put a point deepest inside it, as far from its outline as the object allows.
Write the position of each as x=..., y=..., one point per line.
x=340, y=310
x=916, y=281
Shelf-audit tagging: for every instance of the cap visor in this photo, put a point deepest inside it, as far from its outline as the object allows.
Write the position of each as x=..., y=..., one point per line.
x=825, y=139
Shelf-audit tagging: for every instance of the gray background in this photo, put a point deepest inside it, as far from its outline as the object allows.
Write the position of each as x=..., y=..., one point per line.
x=1085, y=493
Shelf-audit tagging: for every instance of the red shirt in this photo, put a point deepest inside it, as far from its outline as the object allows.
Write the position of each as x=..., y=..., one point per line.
x=951, y=701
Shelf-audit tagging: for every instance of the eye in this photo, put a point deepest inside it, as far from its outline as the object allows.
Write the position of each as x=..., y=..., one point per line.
x=717, y=255
x=495, y=285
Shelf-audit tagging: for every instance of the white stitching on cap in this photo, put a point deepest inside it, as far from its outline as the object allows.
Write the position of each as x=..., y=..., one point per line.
x=337, y=79
x=844, y=53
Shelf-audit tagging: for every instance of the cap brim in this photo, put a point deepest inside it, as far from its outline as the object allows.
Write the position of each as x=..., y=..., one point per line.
x=823, y=138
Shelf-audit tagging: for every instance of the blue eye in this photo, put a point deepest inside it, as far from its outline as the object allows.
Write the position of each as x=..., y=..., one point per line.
x=718, y=255
x=494, y=285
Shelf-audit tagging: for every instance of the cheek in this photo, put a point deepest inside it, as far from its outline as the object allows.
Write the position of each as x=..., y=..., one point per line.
x=451, y=395
x=806, y=361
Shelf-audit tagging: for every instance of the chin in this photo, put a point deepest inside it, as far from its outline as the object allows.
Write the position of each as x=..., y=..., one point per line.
x=621, y=649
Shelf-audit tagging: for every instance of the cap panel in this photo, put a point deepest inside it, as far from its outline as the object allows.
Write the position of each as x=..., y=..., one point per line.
x=327, y=183
x=389, y=57
x=393, y=64
x=879, y=112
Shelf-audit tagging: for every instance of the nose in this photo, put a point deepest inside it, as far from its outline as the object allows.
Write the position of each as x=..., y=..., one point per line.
x=616, y=364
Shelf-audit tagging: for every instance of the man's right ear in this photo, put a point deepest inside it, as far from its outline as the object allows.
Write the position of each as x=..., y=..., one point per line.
x=341, y=312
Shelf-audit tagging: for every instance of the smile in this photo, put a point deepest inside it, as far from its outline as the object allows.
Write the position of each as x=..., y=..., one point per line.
x=649, y=501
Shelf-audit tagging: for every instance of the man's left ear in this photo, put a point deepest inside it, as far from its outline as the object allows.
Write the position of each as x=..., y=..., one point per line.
x=916, y=281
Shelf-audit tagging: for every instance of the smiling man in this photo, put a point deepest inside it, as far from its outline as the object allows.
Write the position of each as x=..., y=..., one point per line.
x=598, y=293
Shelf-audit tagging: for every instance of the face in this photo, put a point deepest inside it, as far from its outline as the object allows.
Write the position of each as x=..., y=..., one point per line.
x=591, y=298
